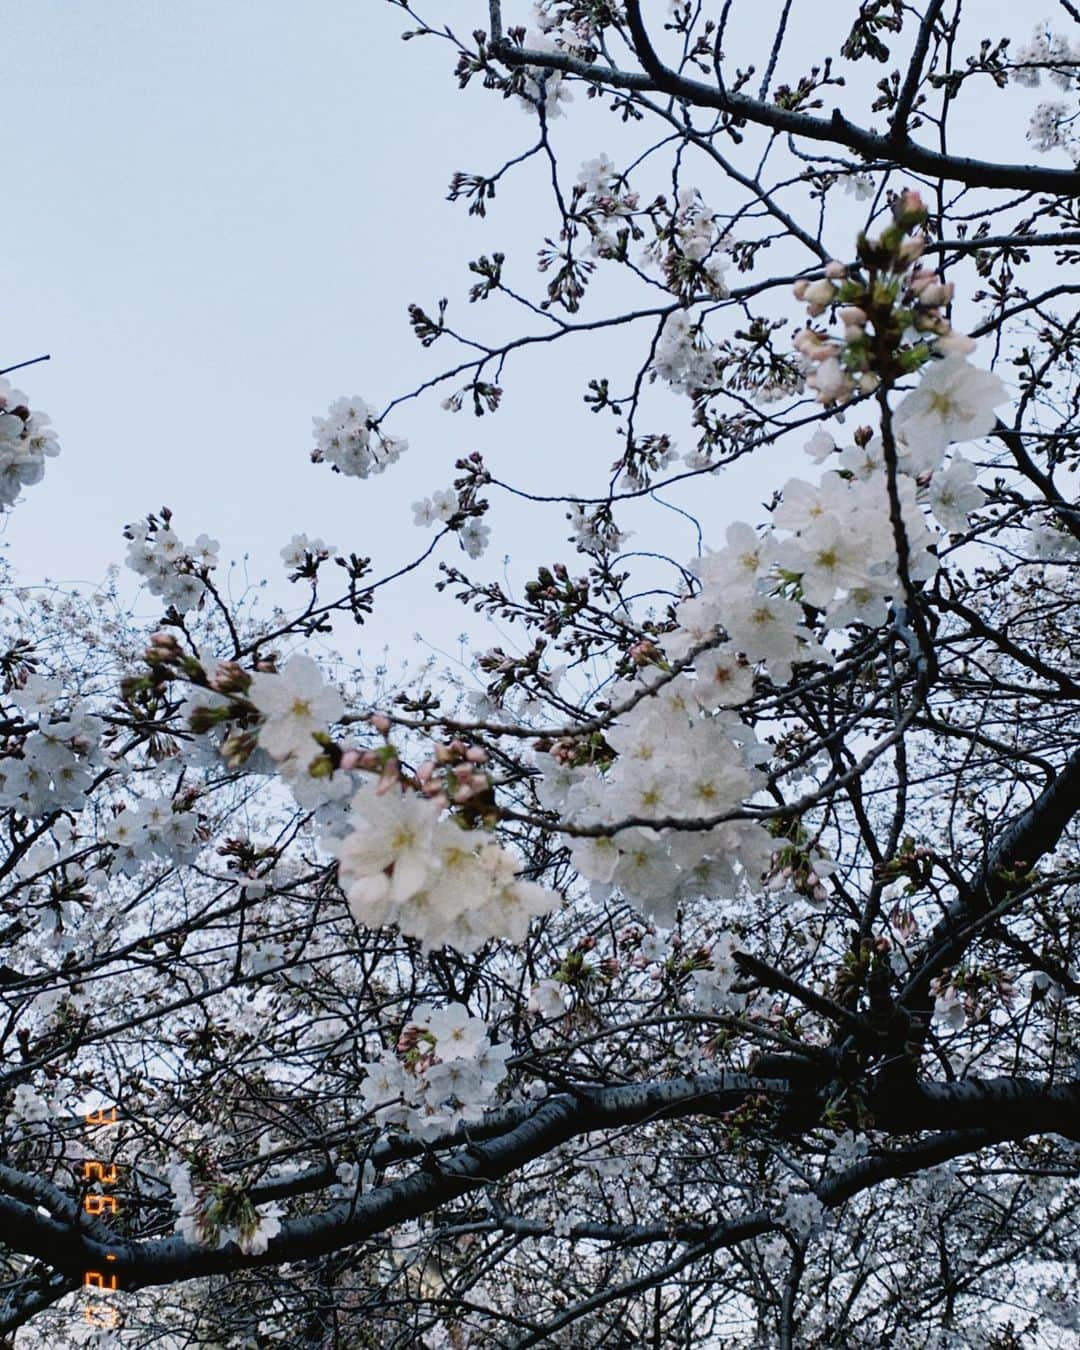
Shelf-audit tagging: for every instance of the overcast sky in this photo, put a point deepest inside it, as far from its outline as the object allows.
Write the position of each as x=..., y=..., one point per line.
x=217, y=212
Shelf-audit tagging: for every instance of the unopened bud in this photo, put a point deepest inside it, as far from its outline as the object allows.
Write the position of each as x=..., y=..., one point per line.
x=821, y=292
x=910, y=207
x=940, y=293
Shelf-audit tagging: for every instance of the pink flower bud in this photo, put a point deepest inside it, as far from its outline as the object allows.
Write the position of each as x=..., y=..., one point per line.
x=476, y=755
x=939, y=293
x=799, y=289
x=910, y=203
x=813, y=345
x=350, y=759
x=835, y=271
x=820, y=292
x=380, y=722
x=852, y=314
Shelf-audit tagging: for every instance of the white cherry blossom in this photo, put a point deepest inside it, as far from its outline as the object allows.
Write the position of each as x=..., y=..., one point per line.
x=294, y=704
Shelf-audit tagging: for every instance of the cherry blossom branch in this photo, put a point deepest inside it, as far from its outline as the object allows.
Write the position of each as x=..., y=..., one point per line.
x=836, y=130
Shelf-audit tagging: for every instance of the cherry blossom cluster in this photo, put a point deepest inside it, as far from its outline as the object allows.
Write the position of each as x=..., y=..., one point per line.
x=571, y=23
x=26, y=441
x=170, y=568
x=296, y=705
x=445, y=508
x=893, y=317
x=460, y=507
x=1050, y=53
x=698, y=253
x=301, y=554
x=554, y=29
x=348, y=438
x=690, y=249
x=416, y=851
x=1053, y=122
x=713, y=978
x=595, y=531
x=802, y=1212
x=215, y=1214
x=689, y=361
x=28, y=1106
x=681, y=752
x=1052, y=128
x=670, y=756
x=682, y=356
x=295, y=709
x=154, y=828
x=405, y=859
x=445, y=1072
x=607, y=205
x=52, y=764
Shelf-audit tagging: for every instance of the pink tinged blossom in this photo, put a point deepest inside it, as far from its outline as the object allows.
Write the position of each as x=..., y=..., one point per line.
x=819, y=295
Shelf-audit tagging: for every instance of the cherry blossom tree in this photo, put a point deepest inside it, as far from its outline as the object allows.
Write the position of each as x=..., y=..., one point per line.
x=699, y=969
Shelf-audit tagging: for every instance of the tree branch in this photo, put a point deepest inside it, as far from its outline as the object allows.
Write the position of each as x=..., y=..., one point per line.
x=836, y=130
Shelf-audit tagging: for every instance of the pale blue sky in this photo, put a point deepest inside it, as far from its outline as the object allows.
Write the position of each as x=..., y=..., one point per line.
x=223, y=211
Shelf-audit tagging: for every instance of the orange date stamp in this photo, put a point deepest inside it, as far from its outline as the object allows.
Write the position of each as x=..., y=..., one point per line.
x=98, y=1203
